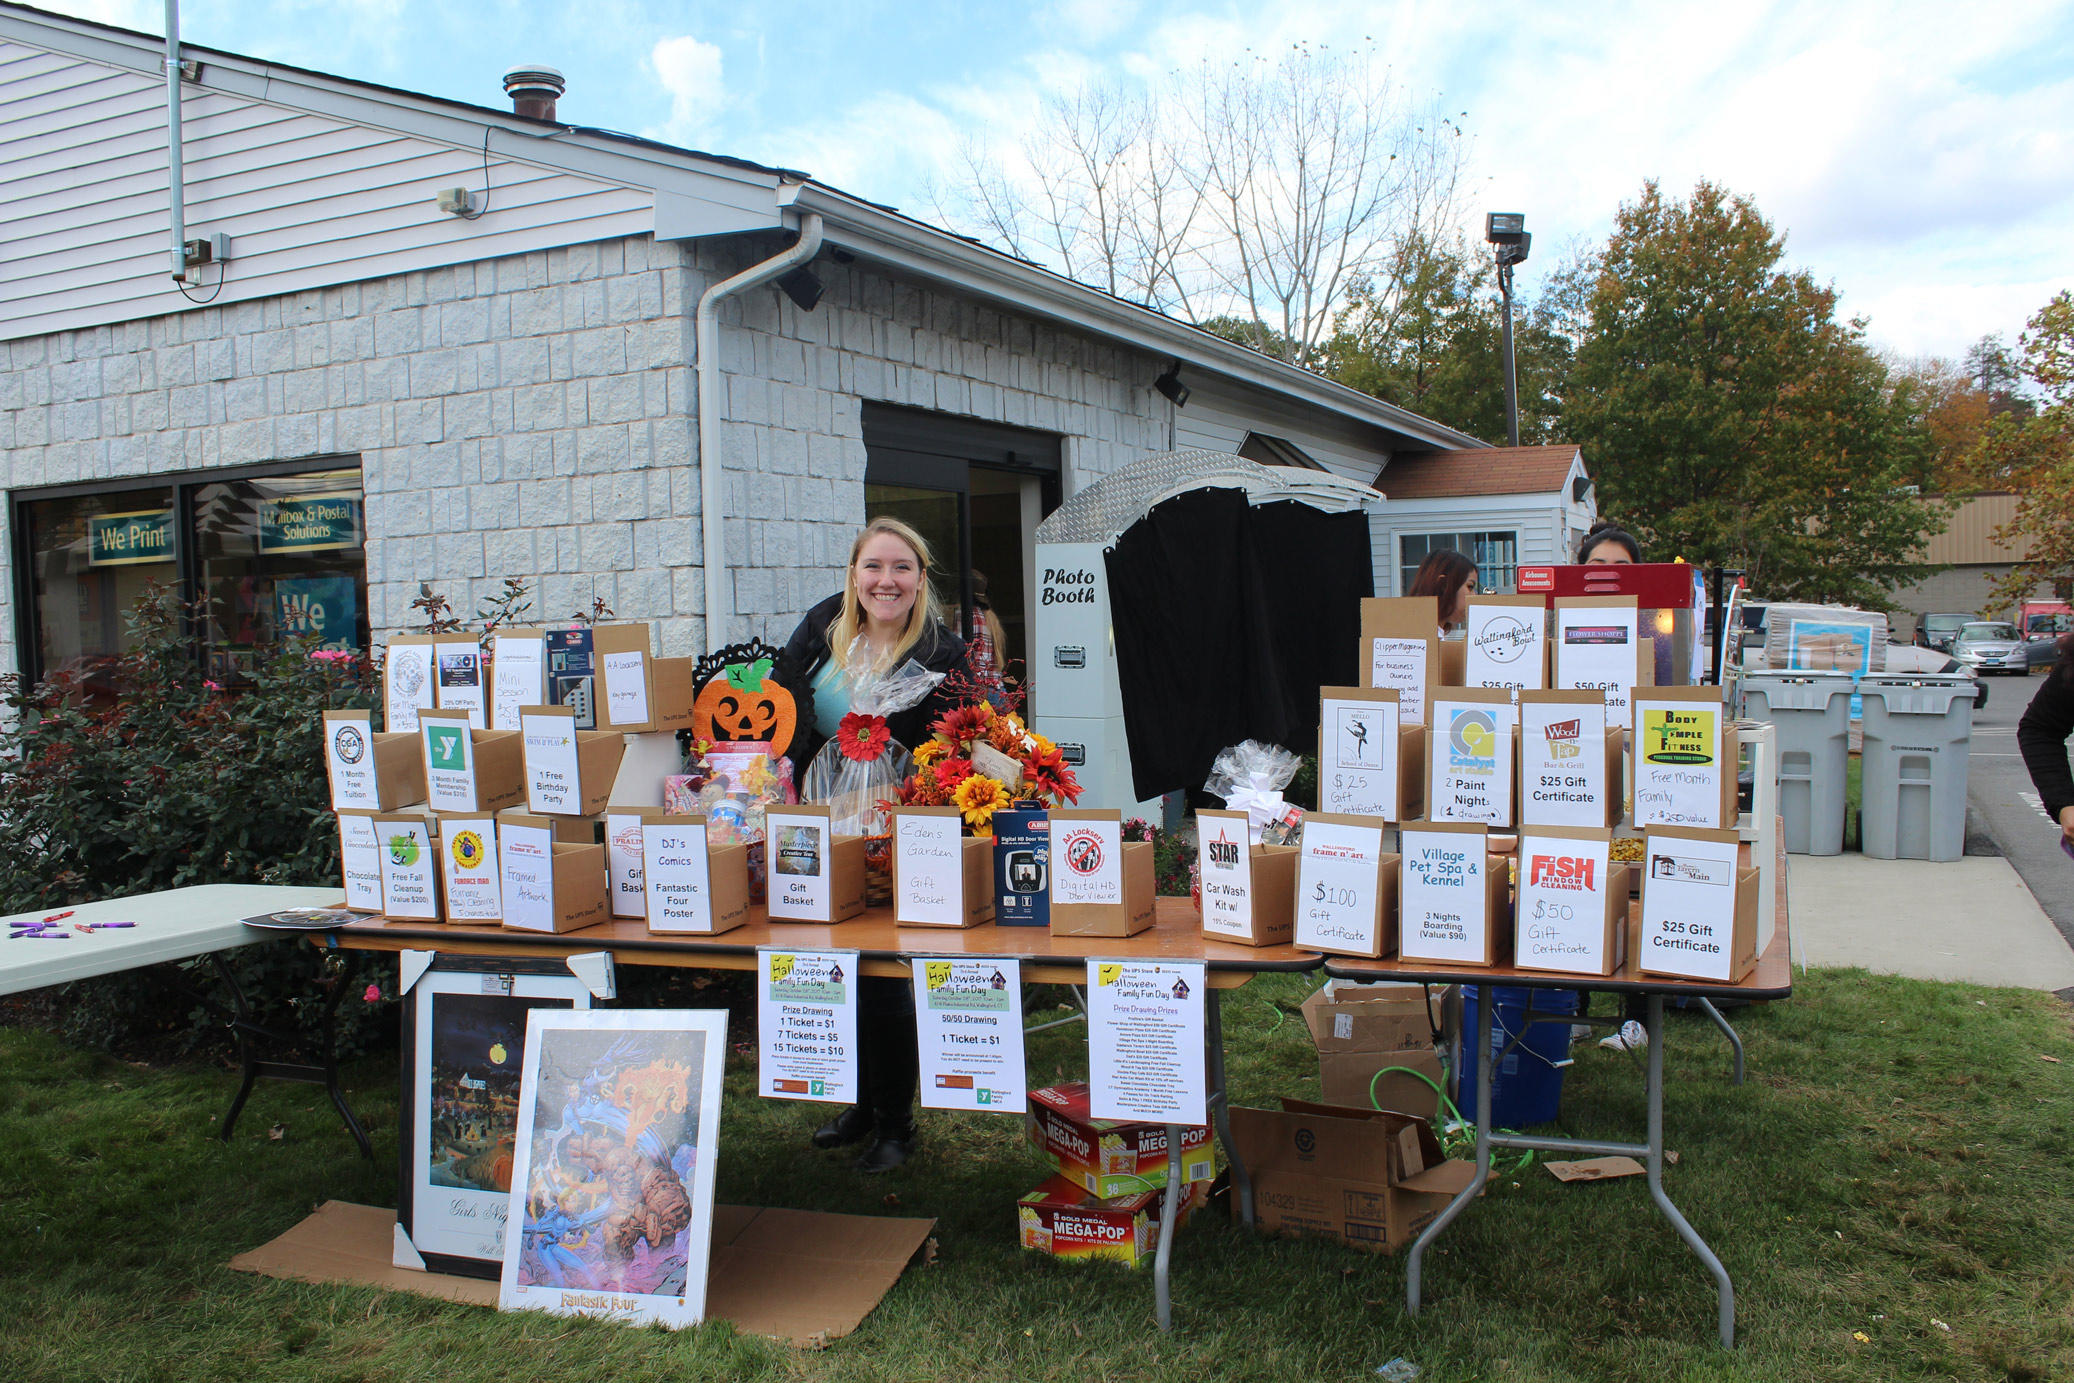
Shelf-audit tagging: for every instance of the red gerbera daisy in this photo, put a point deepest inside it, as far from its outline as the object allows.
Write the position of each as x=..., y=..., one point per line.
x=862, y=738
x=952, y=772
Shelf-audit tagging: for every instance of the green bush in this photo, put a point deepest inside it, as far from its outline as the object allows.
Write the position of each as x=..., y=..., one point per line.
x=159, y=779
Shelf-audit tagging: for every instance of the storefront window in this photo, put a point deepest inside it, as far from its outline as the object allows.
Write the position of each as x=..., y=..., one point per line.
x=89, y=558
x=1496, y=556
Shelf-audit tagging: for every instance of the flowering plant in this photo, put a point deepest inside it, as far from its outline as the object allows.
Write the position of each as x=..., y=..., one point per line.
x=862, y=738
x=979, y=759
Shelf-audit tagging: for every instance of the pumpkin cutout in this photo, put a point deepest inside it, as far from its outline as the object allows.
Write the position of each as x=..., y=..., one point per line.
x=741, y=702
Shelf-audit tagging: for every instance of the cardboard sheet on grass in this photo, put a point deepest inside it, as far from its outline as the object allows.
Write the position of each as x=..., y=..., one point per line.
x=797, y=1275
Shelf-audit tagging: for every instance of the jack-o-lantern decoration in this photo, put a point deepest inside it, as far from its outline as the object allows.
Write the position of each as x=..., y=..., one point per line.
x=738, y=700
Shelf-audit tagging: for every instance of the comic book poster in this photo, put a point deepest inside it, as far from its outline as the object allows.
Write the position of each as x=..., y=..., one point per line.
x=468, y=1031
x=612, y=1194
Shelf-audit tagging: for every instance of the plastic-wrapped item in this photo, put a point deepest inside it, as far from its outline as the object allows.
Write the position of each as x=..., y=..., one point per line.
x=1285, y=829
x=862, y=764
x=1250, y=778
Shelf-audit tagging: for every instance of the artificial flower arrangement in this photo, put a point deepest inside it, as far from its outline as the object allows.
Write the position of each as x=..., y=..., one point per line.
x=979, y=759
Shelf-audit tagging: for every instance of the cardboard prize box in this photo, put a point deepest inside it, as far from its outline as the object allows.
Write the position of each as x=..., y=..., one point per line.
x=1060, y=1218
x=1445, y=914
x=1328, y=921
x=622, y=691
x=1372, y=1179
x=1587, y=636
x=1090, y=858
x=624, y=874
x=691, y=887
x=368, y=771
x=1361, y=1030
x=470, y=875
x=407, y=843
x=360, y=861
x=1248, y=891
x=1684, y=759
x=1571, y=916
x=1472, y=756
x=468, y=770
x=409, y=682
x=569, y=772
x=969, y=870
x=1570, y=760
x=1505, y=642
x=815, y=875
x=549, y=885
x=1363, y=768
x=673, y=691
x=1698, y=915
x=1110, y=1157
x=459, y=677
x=1400, y=648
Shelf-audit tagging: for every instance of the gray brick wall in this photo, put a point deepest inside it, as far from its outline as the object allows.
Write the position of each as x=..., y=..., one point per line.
x=535, y=416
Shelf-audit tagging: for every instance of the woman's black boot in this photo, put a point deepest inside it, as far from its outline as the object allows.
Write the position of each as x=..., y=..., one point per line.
x=853, y=1125
x=896, y=1140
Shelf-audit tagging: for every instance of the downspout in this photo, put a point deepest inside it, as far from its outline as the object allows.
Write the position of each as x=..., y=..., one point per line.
x=174, y=169
x=720, y=611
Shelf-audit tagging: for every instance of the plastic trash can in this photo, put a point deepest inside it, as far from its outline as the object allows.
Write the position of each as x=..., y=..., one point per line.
x=1812, y=711
x=1918, y=736
x=1527, y=1082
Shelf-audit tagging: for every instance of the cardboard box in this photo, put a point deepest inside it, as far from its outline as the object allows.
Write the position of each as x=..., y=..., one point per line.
x=672, y=691
x=1343, y=930
x=410, y=866
x=470, y=873
x=1109, y=1157
x=1359, y=1029
x=468, y=770
x=1400, y=648
x=1505, y=642
x=624, y=871
x=1134, y=913
x=680, y=902
x=1022, y=866
x=815, y=875
x=621, y=656
x=1472, y=756
x=1555, y=769
x=975, y=866
x=1353, y=776
x=569, y=772
x=1060, y=1218
x=1248, y=891
x=1367, y=1178
x=1442, y=917
x=1697, y=918
x=460, y=678
x=549, y=886
x=1683, y=734
x=368, y=771
x=568, y=830
x=1571, y=916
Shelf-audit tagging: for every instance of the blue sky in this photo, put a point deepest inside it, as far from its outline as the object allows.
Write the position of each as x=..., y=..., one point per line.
x=1919, y=156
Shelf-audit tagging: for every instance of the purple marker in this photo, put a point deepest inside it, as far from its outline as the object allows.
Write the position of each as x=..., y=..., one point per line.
x=104, y=926
x=46, y=936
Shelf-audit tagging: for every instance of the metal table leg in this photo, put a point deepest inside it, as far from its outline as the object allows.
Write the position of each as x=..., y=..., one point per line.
x=1727, y=1291
x=1220, y=1108
x=1162, y=1289
x=1415, y=1260
x=325, y=1073
x=1734, y=1040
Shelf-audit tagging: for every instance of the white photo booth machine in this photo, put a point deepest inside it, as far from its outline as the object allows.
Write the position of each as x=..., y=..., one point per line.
x=1077, y=697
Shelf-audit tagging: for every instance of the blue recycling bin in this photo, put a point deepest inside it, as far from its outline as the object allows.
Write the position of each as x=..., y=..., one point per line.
x=1527, y=1082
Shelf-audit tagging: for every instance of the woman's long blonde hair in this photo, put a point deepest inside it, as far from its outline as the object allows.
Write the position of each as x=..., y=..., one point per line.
x=849, y=621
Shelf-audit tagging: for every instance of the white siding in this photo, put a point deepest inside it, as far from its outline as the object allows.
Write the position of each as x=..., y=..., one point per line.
x=309, y=201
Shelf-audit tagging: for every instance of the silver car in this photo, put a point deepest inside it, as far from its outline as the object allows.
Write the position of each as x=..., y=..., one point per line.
x=1992, y=645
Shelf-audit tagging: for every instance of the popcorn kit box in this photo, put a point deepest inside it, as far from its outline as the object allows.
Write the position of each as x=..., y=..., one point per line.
x=1108, y=1157
x=1060, y=1218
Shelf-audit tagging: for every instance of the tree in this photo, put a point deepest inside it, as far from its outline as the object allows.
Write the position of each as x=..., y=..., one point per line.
x=2033, y=457
x=1262, y=190
x=1731, y=420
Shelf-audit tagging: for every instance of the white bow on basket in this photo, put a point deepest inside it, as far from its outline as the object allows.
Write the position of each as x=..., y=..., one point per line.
x=1250, y=778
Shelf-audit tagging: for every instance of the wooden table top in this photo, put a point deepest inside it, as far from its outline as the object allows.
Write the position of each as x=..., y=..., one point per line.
x=1176, y=935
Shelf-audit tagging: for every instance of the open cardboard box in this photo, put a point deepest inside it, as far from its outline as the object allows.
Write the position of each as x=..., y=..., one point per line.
x=1683, y=734
x=832, y=887
x=1456, y=935
x=1133, y=914
x=673, y=903
x=1401, y=648
x=1545, y=772
x=369, y=771
x=975, y=870
x=1361, y=1029
x=1372, y=1179
x=1265, y=873
x=553, y=745
x=468, y=770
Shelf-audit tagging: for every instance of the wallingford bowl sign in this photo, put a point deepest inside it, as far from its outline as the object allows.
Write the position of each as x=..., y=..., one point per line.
x=309, y=523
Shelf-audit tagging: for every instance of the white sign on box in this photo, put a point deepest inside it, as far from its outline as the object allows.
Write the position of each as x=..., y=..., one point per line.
x=1400, y=664
x=1597, y=648
x=1224, y=865
x=1146, y=1058
x=459, y=664
x=798, y=849
x=1086, y=862
x=360, y=861
x=930, y=869
x=969, y=1023
x=409, y=886
x=349, y=760
x=1562, y=765
x=1562, y=903
x=679, y=877
x=407, y=677
x=449, y=764
x=1358, y=774
x=1679, y=763
x=1504, y=646
x=1336, y=882
x=1443, y=898
x=624, y=874
x=1471, y=770
x=468, y=859
x=518, y=672
x=806, y=1013
x=526, y=855
x=627, y=702
x=1689, y=906
x=552, y=781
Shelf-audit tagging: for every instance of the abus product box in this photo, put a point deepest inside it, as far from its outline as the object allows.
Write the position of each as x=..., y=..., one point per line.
x=1108, y=1157
x=1060, y=1218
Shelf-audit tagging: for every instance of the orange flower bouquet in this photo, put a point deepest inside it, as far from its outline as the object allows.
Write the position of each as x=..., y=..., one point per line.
x=979, y=759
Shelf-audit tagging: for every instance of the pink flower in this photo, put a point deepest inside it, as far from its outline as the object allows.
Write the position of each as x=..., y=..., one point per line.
x=213, y=686
x=373, y=994
x=331, y=655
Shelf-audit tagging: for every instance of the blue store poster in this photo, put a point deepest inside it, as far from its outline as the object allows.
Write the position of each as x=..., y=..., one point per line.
x=325, y=608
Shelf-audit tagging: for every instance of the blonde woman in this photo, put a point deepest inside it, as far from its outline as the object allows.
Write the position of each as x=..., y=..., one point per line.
x=888, y=600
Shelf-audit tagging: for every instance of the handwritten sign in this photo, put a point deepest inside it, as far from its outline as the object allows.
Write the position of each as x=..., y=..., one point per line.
x=1400, y=664
x=518, y=673
x=1357, y=756
x=1562, y=903
x=526, y=855
x=930, y=870
x=1337, y=888
x=626, y=682
x=1679, y=763
x=468, y=861
x=1086, y=862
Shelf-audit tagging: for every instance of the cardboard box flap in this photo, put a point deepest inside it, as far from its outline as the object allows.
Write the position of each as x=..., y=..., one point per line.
x=1381, y=1147
x=1448, y=1179
x=1370, y=1024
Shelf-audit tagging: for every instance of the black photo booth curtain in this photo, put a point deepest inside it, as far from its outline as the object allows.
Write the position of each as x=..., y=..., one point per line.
x=1228, y=618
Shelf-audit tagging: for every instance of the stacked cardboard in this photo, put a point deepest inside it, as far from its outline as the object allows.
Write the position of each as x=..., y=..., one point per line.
x=1365, y=1029
x=1109, y=1194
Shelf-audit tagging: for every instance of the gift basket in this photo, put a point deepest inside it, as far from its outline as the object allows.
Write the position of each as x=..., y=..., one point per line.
x=1250, y=778
x=858, y=771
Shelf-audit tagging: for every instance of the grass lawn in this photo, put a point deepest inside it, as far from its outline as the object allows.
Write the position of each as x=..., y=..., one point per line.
x=1902, y=1156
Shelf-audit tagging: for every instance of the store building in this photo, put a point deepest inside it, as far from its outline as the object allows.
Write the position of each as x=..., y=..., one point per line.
x=450, y=344
x=1505, y=507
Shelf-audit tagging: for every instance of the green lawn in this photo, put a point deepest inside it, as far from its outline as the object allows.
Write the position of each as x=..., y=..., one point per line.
x=1903, y=1155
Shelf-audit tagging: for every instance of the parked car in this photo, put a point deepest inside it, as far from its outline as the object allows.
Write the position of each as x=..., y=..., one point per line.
x=1938, y=631
x=1992, y=645
x=2042, y=630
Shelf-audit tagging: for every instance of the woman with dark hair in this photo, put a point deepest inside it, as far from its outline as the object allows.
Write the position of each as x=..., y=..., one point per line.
x=1449, y=577
x=2042, y=736
x=1608, y=544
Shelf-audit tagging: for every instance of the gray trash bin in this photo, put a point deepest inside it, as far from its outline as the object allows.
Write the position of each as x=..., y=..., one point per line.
x=1812, y=711
x=1918, y=735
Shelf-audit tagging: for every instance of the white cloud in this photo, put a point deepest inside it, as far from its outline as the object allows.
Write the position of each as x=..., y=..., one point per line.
x=689, y=70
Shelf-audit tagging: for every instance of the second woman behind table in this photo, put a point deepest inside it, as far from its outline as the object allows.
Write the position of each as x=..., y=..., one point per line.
x=1451, y=578
x=1608, y=545
x=889, y=602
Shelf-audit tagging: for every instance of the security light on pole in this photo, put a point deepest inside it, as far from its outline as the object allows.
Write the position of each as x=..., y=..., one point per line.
x=1508, y=231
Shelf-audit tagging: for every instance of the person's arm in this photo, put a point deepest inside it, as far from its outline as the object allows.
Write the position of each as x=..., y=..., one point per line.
x=2042, y=736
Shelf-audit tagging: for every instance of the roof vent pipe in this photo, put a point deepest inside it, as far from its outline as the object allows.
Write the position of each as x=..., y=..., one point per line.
x=533, y=89
x=175, y=174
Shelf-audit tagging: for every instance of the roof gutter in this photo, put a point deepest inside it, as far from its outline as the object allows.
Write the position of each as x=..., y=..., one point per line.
x=925, y=252
x=720, y=610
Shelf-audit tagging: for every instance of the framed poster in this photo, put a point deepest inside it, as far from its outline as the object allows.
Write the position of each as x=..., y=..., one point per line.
x=463, y=1041
x=612, y=1194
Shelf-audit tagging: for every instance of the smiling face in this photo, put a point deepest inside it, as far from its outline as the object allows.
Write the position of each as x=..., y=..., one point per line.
x=887, y=575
